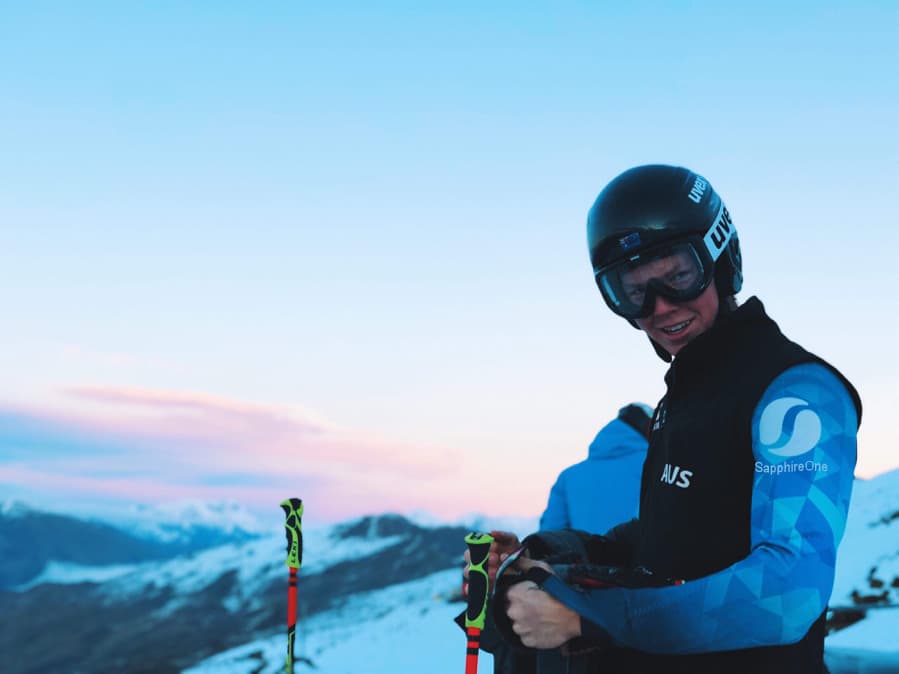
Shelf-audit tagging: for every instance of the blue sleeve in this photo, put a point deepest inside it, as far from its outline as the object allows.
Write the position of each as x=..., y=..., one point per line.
x=804, y=441
x=555, y=516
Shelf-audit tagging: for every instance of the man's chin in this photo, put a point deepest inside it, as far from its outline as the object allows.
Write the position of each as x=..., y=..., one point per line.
x=673, y=343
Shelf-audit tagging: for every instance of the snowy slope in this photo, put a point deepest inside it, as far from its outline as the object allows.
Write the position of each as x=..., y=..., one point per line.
x=367, y=633
x=867, y=647
x=868, y=561
x=68, y=573
x=403, y=628
x=878, y=632
x=254, y=561
x=374, y=597
x=170, y=614
x=868, y=575
x=254, y=565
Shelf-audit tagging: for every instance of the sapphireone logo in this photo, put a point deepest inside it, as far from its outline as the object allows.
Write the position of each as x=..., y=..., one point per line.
x=676, y=475
x=788, y=427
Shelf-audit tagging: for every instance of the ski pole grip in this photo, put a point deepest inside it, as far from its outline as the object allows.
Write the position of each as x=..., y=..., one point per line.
x=293, y=510
x=478, y=551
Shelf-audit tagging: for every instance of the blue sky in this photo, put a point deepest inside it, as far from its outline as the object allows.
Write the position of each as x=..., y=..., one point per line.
x=368, y=220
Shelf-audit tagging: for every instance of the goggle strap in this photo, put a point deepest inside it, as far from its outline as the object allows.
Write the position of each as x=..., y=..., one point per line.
x=719, y=234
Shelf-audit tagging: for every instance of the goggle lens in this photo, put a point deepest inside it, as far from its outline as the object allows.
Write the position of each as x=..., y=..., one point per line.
x=678, y=272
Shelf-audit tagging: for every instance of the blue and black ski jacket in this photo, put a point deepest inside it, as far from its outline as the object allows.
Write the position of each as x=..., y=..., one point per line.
x=744, y=495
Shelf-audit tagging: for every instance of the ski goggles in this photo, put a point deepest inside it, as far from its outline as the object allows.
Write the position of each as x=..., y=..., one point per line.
x=679, y=271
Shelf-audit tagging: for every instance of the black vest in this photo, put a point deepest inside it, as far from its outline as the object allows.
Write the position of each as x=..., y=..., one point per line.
x=696, y=492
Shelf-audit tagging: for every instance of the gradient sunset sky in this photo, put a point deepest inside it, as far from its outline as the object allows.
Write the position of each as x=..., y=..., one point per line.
x=259, y=250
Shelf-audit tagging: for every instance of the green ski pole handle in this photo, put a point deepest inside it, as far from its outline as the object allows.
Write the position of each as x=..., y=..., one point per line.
x=475, y=615
x=478, y=551
x=293, y=511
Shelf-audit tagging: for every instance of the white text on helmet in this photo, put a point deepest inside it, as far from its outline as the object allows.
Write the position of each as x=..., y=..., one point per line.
x=719, y=233
x=698, y=188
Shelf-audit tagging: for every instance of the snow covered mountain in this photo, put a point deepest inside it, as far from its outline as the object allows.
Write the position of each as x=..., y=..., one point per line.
x=865, y=619
x=866, y=596
x=167, y=615
x=377, y=594
x=188, y=521
x=869, y=554
x=406, y=627
x=38, y=546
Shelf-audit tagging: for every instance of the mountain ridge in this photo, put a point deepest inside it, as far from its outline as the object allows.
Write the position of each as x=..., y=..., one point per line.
x=166, y=615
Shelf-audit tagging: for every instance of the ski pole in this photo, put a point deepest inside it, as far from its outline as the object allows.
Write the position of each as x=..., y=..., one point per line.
x=475, y=615
x=293, y=510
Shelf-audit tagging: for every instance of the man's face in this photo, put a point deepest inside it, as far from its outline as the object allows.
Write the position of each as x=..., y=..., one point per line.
x=672, y=324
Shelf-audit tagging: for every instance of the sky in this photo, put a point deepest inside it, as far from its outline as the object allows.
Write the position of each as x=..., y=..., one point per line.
x=253, y=251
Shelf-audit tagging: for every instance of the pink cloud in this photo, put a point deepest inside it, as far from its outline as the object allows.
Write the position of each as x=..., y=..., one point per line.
x=151, y=446
x=237, y=434
x=64, y=486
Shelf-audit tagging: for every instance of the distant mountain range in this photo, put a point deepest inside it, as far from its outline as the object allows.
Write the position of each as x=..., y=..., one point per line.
x=163, y=614
x=191, y=521
x=200, y=589
x=31, y=539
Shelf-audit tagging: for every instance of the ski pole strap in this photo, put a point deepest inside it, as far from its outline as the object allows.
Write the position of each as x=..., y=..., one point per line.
x=293, y=510
x=479, y=551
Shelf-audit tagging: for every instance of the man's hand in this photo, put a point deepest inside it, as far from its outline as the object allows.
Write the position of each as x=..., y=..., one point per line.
x=523, y=563
x=539, y=620
x=504, y=543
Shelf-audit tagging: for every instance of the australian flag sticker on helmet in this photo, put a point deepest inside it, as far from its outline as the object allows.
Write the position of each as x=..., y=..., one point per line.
x=632, y=240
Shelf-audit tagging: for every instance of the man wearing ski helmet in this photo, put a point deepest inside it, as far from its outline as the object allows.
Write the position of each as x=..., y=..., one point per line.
x=746, y=485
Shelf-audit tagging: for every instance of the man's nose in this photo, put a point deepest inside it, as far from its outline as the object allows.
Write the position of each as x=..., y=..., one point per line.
x=663, y=305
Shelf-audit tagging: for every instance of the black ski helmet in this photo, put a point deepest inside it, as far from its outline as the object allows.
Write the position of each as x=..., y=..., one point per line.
x=652, y=204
